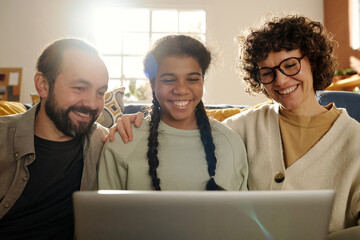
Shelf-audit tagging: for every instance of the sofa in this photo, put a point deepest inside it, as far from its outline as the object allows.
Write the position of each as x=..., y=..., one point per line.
x=115, y=107
x=348, y=100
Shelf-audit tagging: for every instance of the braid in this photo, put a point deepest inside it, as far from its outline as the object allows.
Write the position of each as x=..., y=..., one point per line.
x=153, y=143
x=206, y=138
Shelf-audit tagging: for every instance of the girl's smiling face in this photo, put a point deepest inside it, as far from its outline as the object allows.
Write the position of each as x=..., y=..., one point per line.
x=178, y=87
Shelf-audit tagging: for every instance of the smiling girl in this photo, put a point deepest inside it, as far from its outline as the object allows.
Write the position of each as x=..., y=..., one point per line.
x=177, y=147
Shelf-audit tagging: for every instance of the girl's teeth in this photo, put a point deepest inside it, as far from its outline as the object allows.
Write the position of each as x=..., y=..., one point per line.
x=181, y=103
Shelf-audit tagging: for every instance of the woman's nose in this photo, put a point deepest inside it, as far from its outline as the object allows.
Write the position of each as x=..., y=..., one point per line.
x=280, y=78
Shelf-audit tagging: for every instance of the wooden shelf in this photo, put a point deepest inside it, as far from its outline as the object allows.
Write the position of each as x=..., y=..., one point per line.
x=10, y=84
x=347, y=84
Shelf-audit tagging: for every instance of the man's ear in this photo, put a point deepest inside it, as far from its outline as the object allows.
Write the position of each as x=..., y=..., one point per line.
x=41, y=85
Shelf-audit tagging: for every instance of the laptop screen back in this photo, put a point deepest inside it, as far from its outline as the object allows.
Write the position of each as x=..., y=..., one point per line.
x=295, y=215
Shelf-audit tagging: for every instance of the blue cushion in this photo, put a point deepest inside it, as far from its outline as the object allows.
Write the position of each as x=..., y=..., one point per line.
x=137, y=107
x=342, y=99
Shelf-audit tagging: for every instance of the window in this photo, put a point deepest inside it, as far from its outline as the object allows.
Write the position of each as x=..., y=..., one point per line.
x=355, y=24
x=124, y=35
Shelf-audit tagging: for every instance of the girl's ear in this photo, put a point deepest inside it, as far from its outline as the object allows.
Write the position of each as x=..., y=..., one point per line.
x=41, y=85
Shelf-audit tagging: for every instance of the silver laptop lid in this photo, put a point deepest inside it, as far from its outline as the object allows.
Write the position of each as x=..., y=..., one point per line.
x=295, y=215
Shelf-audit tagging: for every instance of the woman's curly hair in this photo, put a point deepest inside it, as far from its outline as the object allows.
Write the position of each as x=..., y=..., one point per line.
x=287, y=33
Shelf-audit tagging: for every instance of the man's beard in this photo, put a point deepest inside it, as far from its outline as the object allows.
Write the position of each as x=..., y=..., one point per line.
x=63, y=122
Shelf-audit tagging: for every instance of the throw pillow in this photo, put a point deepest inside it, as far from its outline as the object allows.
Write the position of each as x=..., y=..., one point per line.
x=35, y=98
x=8, y=108
x=222, y=114
x=113, y=108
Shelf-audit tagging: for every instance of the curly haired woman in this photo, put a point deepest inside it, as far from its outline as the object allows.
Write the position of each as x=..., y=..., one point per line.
x=297, y=144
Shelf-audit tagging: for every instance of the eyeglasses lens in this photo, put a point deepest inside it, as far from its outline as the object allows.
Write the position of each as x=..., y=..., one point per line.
x=289, y=67
x=266, y=75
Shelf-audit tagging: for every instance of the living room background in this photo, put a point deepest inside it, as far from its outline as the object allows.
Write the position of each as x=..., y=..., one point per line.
x=28, y=26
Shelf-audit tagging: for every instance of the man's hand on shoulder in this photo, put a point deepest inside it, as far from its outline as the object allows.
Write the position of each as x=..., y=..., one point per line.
x=123, y=127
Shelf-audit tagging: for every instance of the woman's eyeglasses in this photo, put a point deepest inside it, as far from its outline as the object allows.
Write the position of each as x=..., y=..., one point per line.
x=289, y=67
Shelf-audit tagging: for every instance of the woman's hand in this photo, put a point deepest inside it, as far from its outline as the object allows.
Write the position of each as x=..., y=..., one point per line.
x=123, y=127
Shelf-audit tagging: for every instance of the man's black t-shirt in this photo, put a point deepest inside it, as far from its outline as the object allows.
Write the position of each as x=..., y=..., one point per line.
x=45, y=210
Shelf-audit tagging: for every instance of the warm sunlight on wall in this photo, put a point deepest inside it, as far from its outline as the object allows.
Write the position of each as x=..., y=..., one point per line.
x=124, y=35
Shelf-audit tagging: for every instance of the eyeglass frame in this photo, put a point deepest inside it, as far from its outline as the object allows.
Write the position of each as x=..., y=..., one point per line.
x=278, y=67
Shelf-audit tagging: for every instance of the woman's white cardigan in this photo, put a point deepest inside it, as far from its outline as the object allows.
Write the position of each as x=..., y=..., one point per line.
x=333, y=163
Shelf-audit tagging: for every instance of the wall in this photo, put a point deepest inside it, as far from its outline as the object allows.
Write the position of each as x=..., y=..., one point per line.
x=27, y=26
x=336, y=20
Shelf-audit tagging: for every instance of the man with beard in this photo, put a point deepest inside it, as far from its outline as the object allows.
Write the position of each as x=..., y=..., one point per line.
x=52, y=150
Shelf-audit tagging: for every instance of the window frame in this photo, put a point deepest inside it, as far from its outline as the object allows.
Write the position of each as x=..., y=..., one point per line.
x=125, y=81
x=354, y=15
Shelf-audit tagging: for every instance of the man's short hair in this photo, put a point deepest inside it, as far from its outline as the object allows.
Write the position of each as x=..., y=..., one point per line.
x=50, y=61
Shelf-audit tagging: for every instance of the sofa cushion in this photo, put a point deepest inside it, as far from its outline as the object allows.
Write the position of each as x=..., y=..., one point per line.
x=342, y=99
x=222, y=114
x=218, y=111
x=7, y=108
x=113, y=107
x=35, y=98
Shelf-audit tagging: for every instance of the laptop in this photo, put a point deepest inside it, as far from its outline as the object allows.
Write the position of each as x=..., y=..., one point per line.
x=175, y=215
